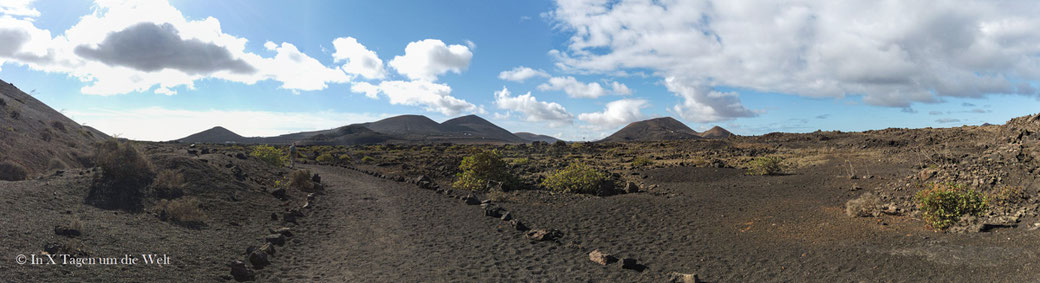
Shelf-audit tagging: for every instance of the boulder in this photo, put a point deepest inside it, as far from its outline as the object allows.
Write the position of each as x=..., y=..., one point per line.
x=631, y=187
x=492, y=210
x=601, y=257
x=259, y=259
x=240, y=272
x=632, y=264
x=284, y=231
x=507, y=216
x=422, y=178
x=470, y=199
x=316, y=178
x=279, y=193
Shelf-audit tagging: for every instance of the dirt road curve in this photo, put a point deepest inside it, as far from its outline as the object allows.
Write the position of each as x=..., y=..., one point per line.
x=367, y=229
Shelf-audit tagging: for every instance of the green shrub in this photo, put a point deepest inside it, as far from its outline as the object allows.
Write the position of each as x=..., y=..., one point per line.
x=766, y=165
x=368, y=159
x=642, y=161
x=125, y=172
x=10, y=171
x=943, y=205
x=520, y=161
x=481, y=169
x=344, y=158
x=270, y=155
x=326, y=158
x=576, y=178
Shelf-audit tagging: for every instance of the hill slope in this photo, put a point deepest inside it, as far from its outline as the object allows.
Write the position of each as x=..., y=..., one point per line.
x=664, y=128
x=33, y=134
x=716, y=133
x=215, y=135
x=532, y=137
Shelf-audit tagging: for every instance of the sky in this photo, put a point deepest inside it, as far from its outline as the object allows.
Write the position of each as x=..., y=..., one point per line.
x=574, y=69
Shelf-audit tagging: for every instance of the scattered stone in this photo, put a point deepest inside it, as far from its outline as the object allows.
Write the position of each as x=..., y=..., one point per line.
x=240, y=272
x=286, y=231
x=424, y=184
x=543, y=235
x=631, y=263
x=63, y=230
x=518, y=225
x=601, y=257
x=310, y=197
x=631, y=187
x=259, y=259
x=240, y=155
x=507, y=216
x=274, y=216
x=492, y=210
x=277, y=239
x=470, y=199
x=676, y=277
x=316, y=178
x=422, y=178
x=279, y=193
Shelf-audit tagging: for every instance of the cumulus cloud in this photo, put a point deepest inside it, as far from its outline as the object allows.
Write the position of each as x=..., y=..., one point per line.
x=18, y=8
x=617, y=113
x=151, y=47
x=426, y=59
x=359, y=60
x=520, y=74
x=899, y=53
x=432, y=96
x=701, y=103
x=128, y=46
x=533, y=110
x=139, y=124
x=574, y=88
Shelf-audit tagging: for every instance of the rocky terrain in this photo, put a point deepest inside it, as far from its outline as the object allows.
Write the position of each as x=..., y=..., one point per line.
x=821, y=206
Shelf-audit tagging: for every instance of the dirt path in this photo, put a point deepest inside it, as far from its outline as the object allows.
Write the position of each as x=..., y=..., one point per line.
x=367, y=229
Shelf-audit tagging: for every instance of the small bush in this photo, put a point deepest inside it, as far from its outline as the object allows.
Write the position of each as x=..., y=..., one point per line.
x=270, y=155
x=943, y=205
x=181, y=211
x=642, y=161
x=301, y=180
x=59, y=126
x=169, y=184
x=479, y=170
x=344, y=158
x=326, y=158
x=766, y=165
x=368, y=159
x=577, y=178
x=124, y=174
x=520, y=161
x=56, y=164
x=10, y=171
x=865, y=205
x=1008, y=195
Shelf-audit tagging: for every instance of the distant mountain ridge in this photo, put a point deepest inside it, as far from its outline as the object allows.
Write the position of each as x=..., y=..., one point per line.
x=664, y=128
x=397, y=129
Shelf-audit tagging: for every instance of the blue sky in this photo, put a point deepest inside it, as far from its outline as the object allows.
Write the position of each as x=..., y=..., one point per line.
x=583, y=69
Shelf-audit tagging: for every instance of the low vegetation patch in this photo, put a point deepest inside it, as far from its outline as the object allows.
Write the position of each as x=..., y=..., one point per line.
x=125, y=172
x=642, y=161
x=56, y=164
x=169, y=184
x=943, y=204
x=368, y=159
x=577, y=178
x=182, y=211
x=10, y=171
x=1007, y=195
x=270, y=155
x=766, y=165
x=480, y=170
x=325, y=158
x=301, y=180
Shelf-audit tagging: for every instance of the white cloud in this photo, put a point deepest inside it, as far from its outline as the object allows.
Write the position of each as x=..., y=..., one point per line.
x=432, y=96
x=18, y=8
x=426, y=59
x=577, y=89
x=701, y=103
x=519, y=74
x=899, y=53
x=117, y=48
x=533, y=110
x=359, y=60
x=617, y=113
x=140, y=124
